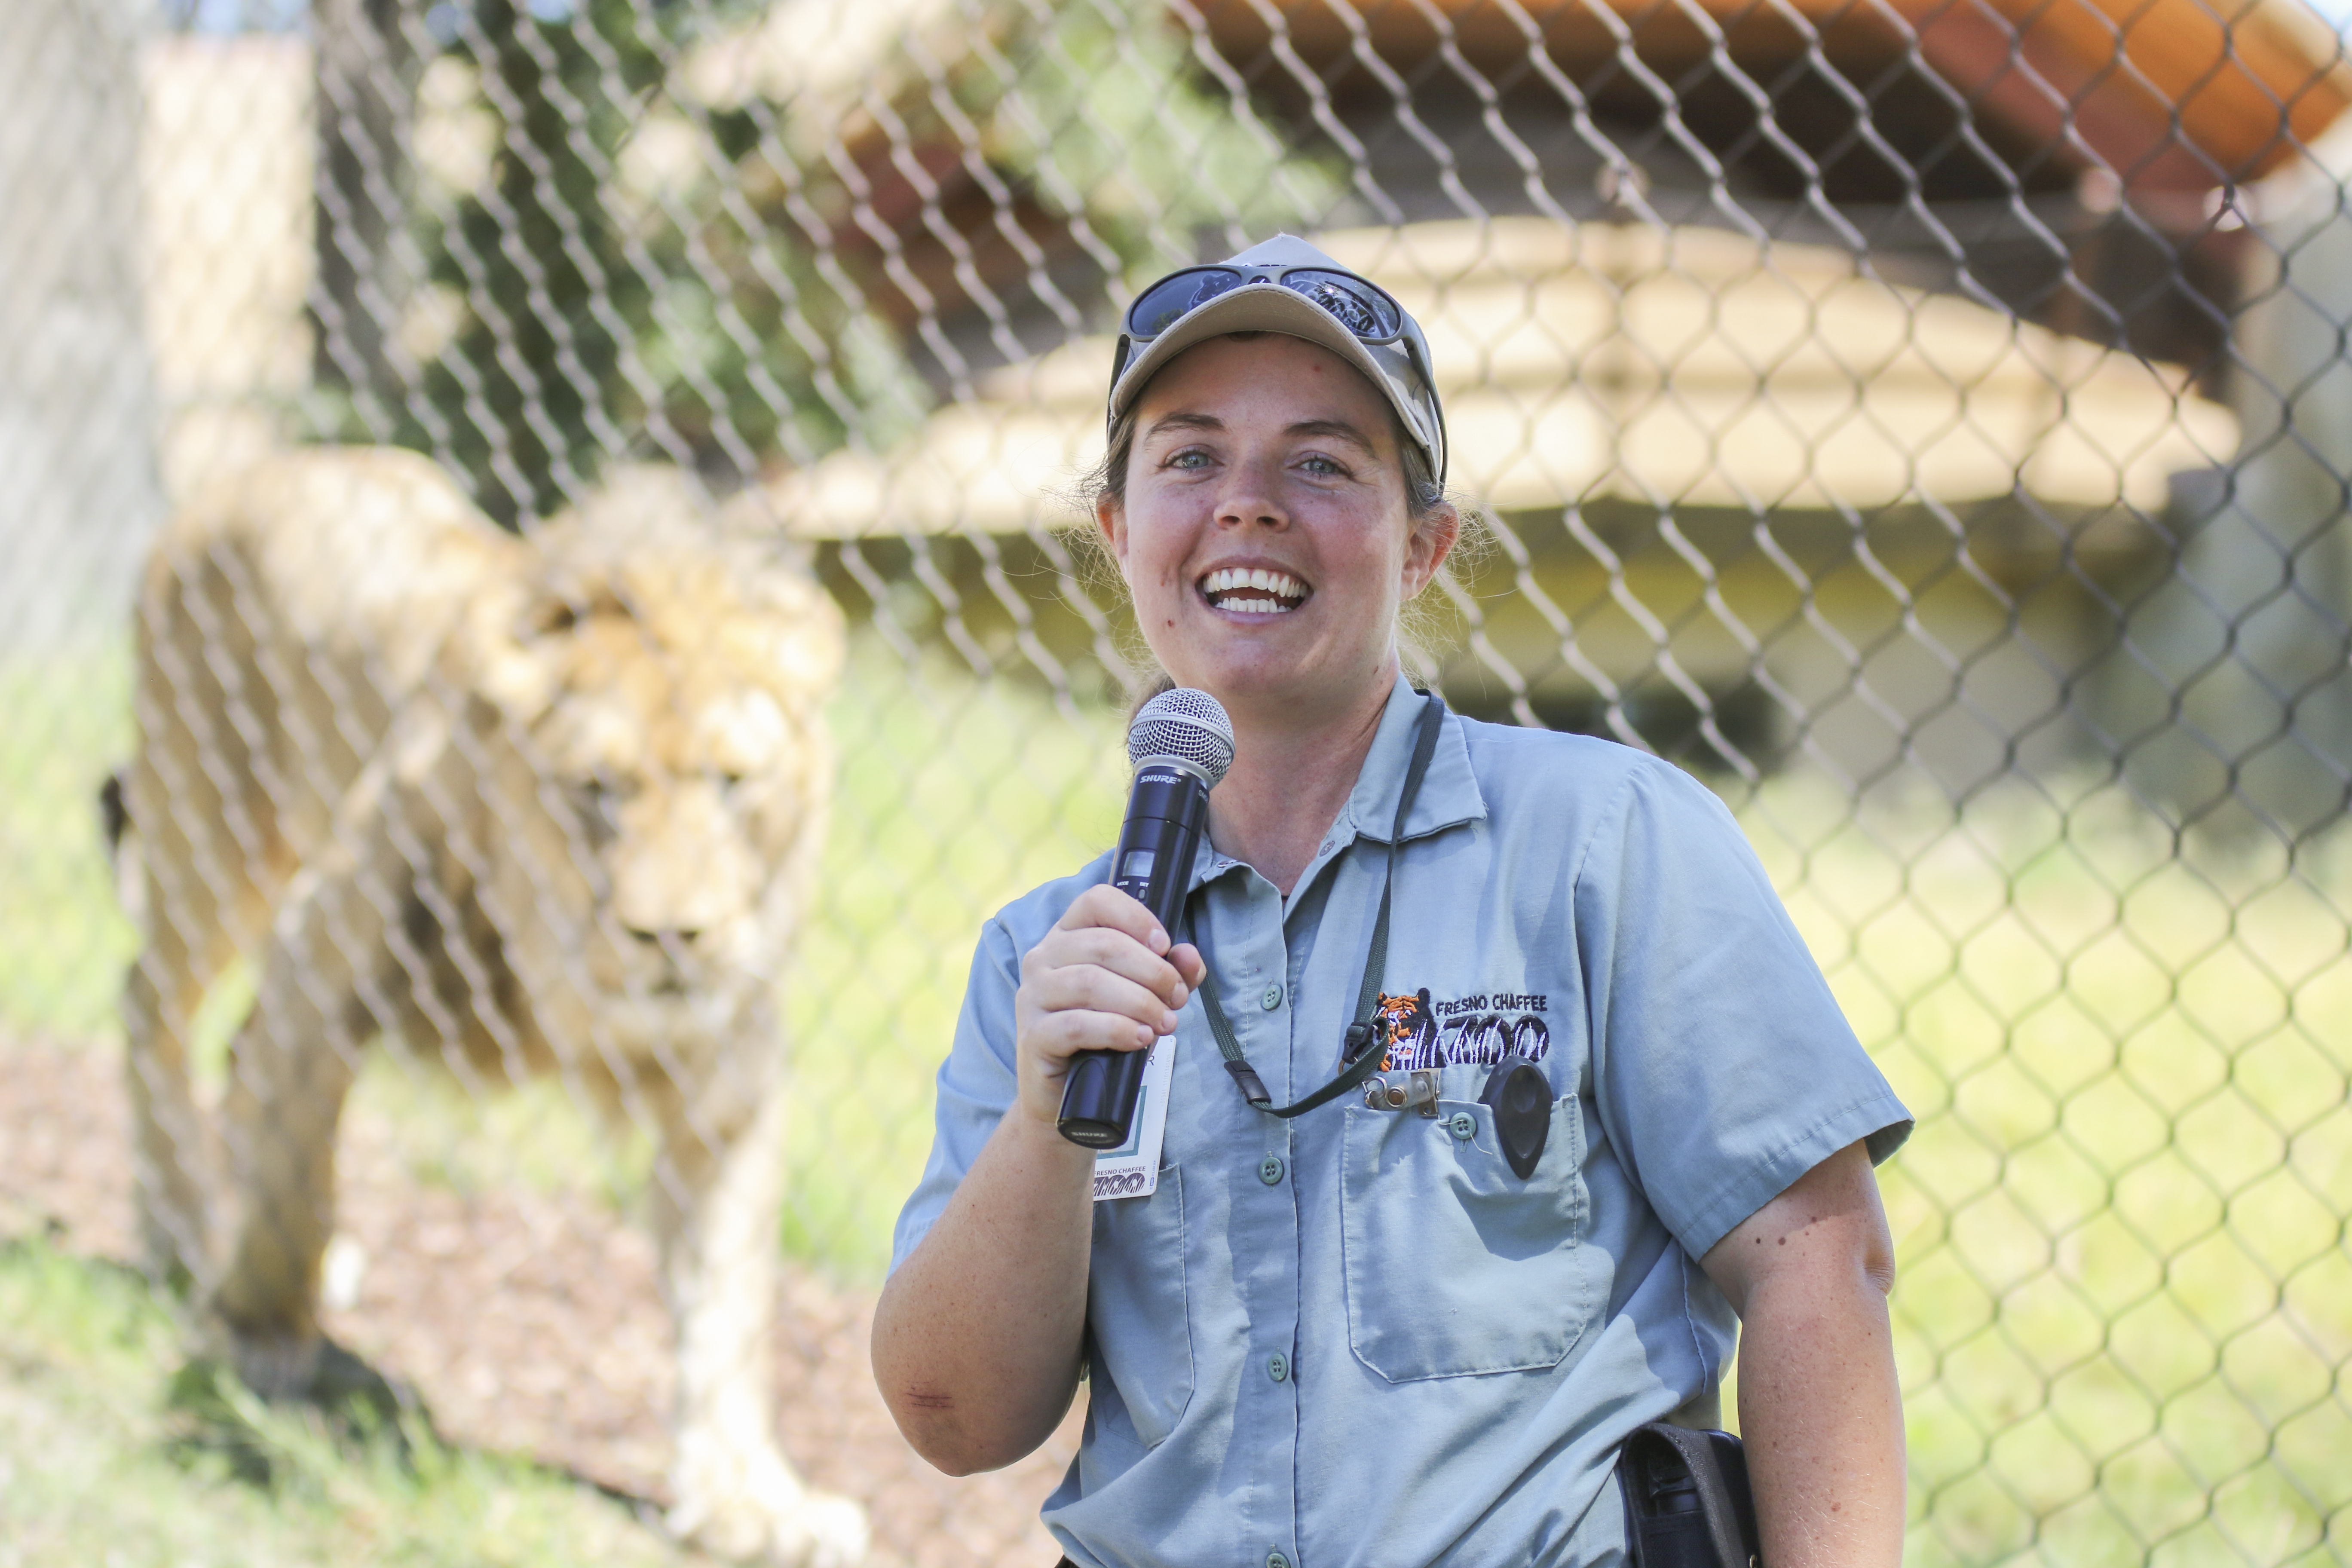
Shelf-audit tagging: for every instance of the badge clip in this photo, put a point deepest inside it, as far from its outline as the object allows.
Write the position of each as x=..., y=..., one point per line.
x=1415, y=1091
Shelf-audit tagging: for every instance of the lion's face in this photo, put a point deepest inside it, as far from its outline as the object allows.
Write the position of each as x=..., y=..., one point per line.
x=660, y=774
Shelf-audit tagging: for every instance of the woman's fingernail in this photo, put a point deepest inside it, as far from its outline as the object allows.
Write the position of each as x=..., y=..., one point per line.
x=1181, y=992
x=1168, y=1027
x=1160, y=941
x=1144, y=1036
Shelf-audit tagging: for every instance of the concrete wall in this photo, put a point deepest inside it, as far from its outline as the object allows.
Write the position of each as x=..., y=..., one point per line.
x=78, y=484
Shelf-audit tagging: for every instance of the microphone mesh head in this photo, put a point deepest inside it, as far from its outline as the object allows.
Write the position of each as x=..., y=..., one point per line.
x=1186, y=725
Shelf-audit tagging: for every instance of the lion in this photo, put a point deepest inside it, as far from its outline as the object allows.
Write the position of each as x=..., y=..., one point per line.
x=542, y=804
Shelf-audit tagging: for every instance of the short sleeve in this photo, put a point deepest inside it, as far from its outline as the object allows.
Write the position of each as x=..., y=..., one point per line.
x=1722, y=1069
x=977, y=1085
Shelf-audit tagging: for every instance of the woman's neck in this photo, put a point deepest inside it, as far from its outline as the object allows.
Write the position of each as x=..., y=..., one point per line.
x=1289, y=780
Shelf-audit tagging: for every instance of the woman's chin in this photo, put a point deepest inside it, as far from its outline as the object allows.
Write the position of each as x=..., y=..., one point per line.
x=1259, y=670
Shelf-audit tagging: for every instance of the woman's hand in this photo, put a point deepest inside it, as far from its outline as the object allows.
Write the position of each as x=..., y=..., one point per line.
x=1105, y=978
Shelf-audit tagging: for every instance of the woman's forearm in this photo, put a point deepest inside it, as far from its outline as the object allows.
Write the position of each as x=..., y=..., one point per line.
x=977, y=1336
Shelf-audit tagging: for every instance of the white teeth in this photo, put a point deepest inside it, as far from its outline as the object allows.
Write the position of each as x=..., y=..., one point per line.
x=1285, y=591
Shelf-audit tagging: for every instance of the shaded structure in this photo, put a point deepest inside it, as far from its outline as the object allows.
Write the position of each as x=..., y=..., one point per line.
x=2073, y=162
x=1829, y=367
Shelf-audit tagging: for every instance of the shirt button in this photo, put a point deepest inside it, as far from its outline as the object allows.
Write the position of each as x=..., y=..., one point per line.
x=1464, y=1126
x=1276, y=1366
x=1276, y=1560
x=1269, y=1170
x=1272, y=999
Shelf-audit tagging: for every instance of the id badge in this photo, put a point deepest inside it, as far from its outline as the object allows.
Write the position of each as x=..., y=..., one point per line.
x=1132, y=1170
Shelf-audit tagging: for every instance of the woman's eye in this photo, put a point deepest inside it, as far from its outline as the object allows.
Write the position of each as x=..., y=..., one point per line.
x=1189, y=460
x=1321, y=467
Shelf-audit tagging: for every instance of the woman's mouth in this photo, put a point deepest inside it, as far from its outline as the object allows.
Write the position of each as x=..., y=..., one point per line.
x=1252, y=591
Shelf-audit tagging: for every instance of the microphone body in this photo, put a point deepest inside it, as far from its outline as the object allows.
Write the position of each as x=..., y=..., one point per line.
x=1182, y=743
x=1167, y=813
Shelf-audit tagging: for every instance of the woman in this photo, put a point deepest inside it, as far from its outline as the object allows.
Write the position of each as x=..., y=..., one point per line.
x=1362, y=1335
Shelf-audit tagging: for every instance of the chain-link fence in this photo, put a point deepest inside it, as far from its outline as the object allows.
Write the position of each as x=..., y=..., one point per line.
x=1928, y=420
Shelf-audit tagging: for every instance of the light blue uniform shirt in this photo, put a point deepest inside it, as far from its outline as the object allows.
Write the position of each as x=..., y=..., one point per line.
x=1357, y=1337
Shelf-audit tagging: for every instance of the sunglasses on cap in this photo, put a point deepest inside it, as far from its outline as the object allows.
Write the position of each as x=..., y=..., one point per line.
x=1368, y=311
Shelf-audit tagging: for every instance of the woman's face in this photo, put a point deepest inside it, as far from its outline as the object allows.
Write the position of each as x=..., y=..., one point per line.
x=1265, y=534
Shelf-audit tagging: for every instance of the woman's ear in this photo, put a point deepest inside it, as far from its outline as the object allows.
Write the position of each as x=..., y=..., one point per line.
x=1433, y=539
x=1110, y=519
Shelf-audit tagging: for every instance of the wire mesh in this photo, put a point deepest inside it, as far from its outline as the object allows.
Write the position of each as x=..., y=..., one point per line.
x=554, y=518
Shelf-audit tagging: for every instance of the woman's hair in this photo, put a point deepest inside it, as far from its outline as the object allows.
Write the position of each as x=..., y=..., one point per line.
x=1420, y=632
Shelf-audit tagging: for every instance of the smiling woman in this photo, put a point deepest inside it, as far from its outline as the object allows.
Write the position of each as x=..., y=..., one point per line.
x=1378, y=434
x=1614, y=1113
x=1264, y=532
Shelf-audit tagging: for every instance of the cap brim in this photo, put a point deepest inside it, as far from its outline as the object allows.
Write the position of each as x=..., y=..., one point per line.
x=1261, y=307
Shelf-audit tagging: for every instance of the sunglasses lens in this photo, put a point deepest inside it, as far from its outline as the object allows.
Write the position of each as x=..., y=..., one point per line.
x=1362, y=311
x=1166, y=300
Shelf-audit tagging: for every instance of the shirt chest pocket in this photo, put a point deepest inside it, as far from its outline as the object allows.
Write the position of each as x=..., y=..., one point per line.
x=1454, y=1265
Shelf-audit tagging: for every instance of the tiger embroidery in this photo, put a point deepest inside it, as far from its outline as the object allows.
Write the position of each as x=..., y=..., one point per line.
x=1405, y=1022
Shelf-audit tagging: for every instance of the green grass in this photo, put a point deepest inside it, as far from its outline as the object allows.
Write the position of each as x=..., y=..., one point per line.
x=65, y=724
x=99, y=1463
x=2125, y=1304
x=2126, y=1309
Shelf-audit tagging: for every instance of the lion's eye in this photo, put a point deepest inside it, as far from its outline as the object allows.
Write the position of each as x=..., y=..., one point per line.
x=598, y=806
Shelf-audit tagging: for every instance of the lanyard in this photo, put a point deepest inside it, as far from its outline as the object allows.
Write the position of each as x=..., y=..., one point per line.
x=1357, y=1056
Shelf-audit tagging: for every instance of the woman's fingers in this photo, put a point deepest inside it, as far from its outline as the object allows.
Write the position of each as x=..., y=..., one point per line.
x=1102, y=947
x=1091, y=987
x=1062, y=1034
x=1104, y=905
x=1106, y=978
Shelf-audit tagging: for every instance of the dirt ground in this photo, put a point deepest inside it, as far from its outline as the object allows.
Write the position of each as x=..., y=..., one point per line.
x=532, y=1323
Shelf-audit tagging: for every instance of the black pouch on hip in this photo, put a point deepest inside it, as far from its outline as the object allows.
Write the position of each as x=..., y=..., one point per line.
x=1687, y=1499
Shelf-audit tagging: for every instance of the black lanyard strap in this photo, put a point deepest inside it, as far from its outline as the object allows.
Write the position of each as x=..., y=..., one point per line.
x=1357, y=1055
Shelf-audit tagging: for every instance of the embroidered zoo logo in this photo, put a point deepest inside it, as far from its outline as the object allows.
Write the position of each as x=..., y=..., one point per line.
x=1482, y=1029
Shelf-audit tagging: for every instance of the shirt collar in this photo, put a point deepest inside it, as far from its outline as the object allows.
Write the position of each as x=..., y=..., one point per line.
x=1449, y=790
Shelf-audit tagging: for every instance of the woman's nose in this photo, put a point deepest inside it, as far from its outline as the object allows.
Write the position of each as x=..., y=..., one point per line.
x=1250, y=501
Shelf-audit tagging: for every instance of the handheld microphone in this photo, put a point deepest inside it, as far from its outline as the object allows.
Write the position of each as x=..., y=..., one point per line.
x=1180, y=743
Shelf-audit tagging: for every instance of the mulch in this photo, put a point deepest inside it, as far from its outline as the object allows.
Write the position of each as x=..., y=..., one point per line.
x=531, y=1323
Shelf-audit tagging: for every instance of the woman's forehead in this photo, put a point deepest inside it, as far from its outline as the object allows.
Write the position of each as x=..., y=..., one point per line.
x=1264, y=378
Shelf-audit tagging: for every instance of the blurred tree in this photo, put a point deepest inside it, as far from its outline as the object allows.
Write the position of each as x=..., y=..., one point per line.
x=366, y=65
x=736, y=274
x=530, y=394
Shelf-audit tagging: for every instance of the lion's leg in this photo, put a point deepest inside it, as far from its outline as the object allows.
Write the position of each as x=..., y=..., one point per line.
x=719, y=1189
x=173, y=1154
x=199, y=860
x=291, y=1065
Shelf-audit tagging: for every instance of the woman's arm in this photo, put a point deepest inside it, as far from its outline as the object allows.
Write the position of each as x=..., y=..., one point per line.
x=1819, y=1409
x=976, y=1338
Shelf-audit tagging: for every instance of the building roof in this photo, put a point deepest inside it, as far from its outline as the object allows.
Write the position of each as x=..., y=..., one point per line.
x=2170, y=95
x=2073, y=160
x=1687, y=367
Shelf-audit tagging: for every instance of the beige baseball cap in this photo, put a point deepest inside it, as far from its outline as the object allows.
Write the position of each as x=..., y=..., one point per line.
x=1287, y=286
